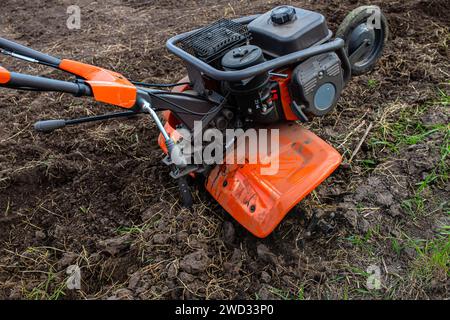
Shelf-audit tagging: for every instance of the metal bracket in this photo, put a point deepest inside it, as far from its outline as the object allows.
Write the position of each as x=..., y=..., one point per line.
x=196, y=79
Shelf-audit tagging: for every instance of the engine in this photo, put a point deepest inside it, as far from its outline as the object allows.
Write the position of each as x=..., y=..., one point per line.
x=316, y=85
x=294, y=92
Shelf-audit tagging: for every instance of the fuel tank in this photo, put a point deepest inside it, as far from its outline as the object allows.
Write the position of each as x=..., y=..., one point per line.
x=286, y=29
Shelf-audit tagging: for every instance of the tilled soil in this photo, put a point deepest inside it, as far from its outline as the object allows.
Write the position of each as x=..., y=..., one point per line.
x=97, y=195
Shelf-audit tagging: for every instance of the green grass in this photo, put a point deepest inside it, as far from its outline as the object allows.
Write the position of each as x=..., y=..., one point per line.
x=372, y=83
x=422, y=132
x=445, y=152
x=345, y=294
x=433, y=258
x=396, y=246
x=84, y=209
x=139, y=229
x=415, y=206
x=365, y=242
x=358, y=240
x=405, y=133
x=425, y=183
x=301, y=294
x=368, y=164
x=401, y=126
x=287, y=295
x=282, y=294
x=131, y=230
x=360, y=272
x=50, y=289
x=361, y=276
x=445, y=230
x=443, y=98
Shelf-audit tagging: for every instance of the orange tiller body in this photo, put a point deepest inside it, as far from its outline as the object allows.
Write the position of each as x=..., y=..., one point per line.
x=259, y=202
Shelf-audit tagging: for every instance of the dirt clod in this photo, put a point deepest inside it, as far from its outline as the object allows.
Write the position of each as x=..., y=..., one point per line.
x=229, y=233
x=265, y=277
x=122, y=294
x=264, y=254
x=40, y=235
x=67, y=259
x=134, y=280
x=114, y=246
x=195, y=262
x=160, y=238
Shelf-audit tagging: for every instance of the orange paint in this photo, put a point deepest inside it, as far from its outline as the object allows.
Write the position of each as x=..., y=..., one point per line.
x=285, y=95
x=259, y=202
x=107, y=86
x=5, y=76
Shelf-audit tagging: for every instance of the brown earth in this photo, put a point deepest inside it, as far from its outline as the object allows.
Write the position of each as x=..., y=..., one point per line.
x=98, y=196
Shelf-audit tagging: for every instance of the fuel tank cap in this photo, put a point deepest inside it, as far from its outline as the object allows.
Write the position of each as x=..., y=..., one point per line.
x=282, y=15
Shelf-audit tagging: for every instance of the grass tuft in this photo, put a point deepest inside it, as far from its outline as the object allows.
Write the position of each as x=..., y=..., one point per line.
x=433, y=259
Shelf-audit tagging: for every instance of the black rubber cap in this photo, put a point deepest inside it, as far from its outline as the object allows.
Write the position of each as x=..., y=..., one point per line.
x=242, y=57
x=282, y=15
x=49, y=125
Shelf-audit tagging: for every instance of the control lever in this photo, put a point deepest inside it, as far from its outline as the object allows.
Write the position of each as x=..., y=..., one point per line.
x=175, y=155
x=50, y=125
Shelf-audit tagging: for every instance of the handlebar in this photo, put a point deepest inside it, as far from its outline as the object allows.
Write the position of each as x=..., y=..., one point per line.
x=25, y=81
x=15, y=80
x=15, y=48
x=104, y=85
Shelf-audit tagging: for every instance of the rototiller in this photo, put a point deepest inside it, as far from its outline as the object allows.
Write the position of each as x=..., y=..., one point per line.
x=264, y=71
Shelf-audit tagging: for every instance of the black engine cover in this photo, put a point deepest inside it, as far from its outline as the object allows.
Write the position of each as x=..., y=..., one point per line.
x=317, y=84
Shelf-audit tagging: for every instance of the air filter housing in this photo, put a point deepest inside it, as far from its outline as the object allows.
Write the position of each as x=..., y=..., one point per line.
x=212, y=42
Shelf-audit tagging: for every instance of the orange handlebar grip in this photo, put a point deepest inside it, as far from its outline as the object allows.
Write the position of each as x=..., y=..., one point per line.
x=5, y=76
